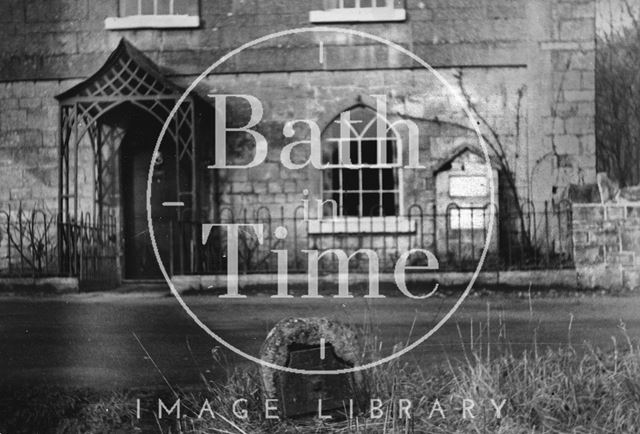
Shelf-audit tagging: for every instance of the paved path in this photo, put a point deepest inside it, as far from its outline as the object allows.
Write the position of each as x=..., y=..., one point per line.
x=102, y=340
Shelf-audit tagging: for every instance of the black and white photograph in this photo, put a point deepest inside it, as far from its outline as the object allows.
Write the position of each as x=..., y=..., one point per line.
x=320, y=216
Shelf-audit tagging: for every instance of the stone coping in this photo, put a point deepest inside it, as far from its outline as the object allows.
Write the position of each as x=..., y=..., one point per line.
x=518, y=278
x=47, y=285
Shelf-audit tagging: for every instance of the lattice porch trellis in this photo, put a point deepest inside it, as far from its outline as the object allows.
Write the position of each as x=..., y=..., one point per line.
x=128, y=79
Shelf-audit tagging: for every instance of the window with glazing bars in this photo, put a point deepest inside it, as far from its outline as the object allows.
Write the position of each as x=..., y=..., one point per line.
x=158, y=7
x=358, y=4
x=367, y=185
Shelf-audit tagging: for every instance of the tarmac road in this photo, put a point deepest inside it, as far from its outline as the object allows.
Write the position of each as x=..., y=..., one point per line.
x=114, y=341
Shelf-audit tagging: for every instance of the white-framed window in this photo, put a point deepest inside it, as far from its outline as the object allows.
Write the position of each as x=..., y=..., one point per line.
x=344, y=11
x=155, y=14
x=468, y=218
x=367, y=183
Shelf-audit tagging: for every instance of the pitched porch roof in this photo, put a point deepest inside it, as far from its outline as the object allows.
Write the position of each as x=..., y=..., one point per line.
x=127, y=74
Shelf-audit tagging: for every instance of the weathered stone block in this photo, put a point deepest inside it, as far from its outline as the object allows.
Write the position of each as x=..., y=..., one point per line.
x=278, y=198
x=586, y=109
x=20, y=193
x=569, y=144
x=11, y=11
x=572, y=80
x=553, y=126
x=630, y=239
x=275, y=187
x=577, y=30
x=604, y=237
x=52, y=44
x=589, y=213
x=421, y=15
x=459, y=13
x=589, y=255
x=29, y=103
x=565, y=109
x=633, y=211
x=580, y=237
x=504, y=9
x=600, y=276
x=265, y=172
x=40, y=119
x=293, y=334
x=99, y=10
x=576, y=10
x=242, y=187
x=56, y=10
x=588, y=80
x=13, y=119
x=616, y=212
x=292, y=187
x=260, y=187
x=580, y=125
x=621, y=258
x=631, y=279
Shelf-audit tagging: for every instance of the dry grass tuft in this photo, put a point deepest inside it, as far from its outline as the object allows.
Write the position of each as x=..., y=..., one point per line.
x=559, y=390
x=551, y=390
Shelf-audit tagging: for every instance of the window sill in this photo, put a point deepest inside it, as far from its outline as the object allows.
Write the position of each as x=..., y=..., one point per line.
x=361, y=15
x=367, y=225
x=152, y=22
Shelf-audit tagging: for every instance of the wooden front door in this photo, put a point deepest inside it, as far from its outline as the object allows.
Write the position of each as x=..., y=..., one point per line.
x=139, y=260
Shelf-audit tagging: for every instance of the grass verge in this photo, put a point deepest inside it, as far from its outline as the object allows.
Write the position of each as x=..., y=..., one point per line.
x=559, y=390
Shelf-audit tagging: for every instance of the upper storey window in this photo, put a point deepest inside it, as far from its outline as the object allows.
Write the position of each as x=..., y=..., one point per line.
x=358, y=11
x=155, y=14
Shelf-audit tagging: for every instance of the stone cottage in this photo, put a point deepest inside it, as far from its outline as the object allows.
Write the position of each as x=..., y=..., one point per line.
x=87, y=85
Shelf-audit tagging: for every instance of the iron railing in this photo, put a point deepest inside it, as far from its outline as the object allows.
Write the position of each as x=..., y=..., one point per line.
x=28, y=243
x=37, y=243
x=523, y=240
x=88, y=248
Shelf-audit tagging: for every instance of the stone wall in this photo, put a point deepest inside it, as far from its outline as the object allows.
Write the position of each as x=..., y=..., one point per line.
x=567, y=67
x=29, y=133
x=414, y=95
x=542, y=48
x=63, y=38
x=606, y=241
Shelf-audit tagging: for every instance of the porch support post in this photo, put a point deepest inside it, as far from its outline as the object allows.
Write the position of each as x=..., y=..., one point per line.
x=68, y=122
x=194, y=183
x=76, y=224
x=98, y=193
x=194, y=159
x=61, y=152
